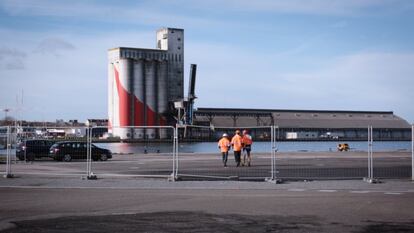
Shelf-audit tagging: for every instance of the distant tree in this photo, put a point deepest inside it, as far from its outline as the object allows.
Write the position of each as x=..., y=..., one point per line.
x=8, y=120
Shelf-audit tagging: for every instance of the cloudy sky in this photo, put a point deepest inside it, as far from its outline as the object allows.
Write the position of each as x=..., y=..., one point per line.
x=296, y=54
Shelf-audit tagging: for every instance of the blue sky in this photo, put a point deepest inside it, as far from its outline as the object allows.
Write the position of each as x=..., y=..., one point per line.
x=296, y=54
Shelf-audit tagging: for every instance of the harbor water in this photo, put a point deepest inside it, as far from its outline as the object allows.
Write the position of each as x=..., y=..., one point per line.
x=260, y=147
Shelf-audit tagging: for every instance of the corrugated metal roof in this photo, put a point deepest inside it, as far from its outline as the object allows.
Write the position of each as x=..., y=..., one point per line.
x=302, y=118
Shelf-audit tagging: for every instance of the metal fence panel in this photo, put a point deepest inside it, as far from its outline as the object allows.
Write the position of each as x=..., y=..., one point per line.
x=52, y=152
x=4, y=150
x=191, y=152
x=133, y=152
x=390, y=160
x=412, y=152
x=198, y=159
x=319, y=159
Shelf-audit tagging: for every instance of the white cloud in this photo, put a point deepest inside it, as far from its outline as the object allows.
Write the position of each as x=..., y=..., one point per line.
x=232, y=77
x=11, y=58
x=53, y=46
x=72, y=85
x=311, y=7
x=138, y=13
x=363, y=81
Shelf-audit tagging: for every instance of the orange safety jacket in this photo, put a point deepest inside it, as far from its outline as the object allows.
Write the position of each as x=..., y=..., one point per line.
x=247, y=140
x=224, y=144
x=236, y=142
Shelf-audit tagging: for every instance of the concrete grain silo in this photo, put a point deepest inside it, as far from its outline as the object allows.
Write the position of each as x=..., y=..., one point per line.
x=139, y=98
x=151, y=97
x=143, y=83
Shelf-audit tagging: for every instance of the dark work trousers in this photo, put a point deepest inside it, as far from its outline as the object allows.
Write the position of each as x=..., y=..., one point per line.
x=237, y=155
x=225, y=156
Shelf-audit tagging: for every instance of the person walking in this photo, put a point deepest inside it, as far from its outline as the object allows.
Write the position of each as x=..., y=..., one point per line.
x=247, y=142
x=224, y=146
x=236, y=142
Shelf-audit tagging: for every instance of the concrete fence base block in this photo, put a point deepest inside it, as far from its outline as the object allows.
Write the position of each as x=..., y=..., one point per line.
x=174, y=178
x=9, y=176
x=92, y=177
x=371, y=180
x=274, y=180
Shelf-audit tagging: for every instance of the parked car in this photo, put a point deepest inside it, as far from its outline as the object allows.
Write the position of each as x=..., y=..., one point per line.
x=32, y=149
x=68, y=150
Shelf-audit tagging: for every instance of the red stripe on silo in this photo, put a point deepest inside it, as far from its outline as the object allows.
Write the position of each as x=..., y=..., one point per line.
x=138, y=116
x=123, y=101
x=163, y=121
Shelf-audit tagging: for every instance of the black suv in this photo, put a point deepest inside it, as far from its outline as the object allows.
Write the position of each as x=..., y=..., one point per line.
x=31, y=149
x=68, y=150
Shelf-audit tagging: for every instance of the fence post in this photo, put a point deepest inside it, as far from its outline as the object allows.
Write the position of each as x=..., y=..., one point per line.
x=273, y=177
x=8, y=155
x=90, y=175
x=87, y=152
x=372, y=159
x=412, y=152
x=370, y=178
x=177, y=159
x=272, y=145
x=174, y=174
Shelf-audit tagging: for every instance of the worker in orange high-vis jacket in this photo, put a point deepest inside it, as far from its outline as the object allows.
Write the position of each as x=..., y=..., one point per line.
x=224, y=146
x=236, y=142
x=247, y=142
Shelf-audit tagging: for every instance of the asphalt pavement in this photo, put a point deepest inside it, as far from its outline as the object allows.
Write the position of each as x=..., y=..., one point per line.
x=294, y=166
x=49, y=196
x=142, y=205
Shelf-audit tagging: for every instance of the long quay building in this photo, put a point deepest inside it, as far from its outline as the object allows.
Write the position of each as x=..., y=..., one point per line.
x=304, y=124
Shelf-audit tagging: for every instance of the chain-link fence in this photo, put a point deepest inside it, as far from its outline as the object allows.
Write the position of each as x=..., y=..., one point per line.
x=203, y=154
x=4, y=150
x=388, y=159
x=192, y=152
x=57, y=151
x=132, y=152
x=340, y=159
x=300, y=159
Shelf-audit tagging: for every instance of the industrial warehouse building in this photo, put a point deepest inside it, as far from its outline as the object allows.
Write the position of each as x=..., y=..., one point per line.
x=307, y=124
x=143, y=85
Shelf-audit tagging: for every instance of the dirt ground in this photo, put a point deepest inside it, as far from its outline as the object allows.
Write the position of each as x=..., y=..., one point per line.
x=200, y=222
